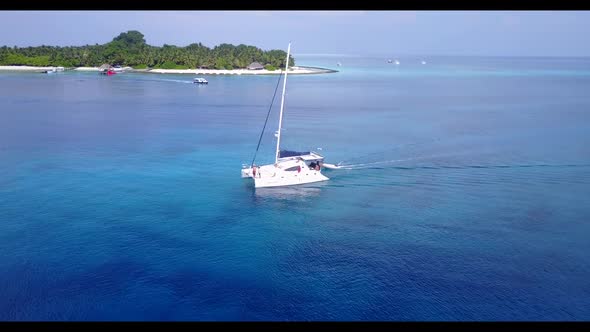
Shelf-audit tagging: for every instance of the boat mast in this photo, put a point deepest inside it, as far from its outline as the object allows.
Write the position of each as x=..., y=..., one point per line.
x=282, y=105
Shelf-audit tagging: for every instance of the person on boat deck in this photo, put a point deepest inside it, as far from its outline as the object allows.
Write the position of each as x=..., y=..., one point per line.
x=318, y=166
x=254, y=168
x=312, y=165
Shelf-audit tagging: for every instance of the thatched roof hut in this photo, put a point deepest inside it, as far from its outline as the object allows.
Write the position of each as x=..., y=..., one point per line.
x=255, y=66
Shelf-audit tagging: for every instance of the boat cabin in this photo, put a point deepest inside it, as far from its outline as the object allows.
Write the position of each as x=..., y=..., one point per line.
x=311, y=159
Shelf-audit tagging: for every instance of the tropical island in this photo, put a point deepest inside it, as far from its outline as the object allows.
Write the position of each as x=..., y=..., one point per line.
x=130, y=50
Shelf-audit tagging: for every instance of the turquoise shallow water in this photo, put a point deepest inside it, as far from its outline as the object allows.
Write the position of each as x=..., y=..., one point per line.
x=464, y=194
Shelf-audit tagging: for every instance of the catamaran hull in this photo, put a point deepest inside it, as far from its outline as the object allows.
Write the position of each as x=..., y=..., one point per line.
x=247, y=172
x=279, y=181
x=287, y=172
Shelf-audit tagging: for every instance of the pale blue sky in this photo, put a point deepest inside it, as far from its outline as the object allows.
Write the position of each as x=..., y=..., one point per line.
x=520, y=33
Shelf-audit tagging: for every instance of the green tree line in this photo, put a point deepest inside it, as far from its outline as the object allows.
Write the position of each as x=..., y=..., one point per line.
x=130, y=49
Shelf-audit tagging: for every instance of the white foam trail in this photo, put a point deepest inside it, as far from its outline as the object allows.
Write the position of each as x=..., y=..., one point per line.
x=177, y=81
x=165, y=80
x=365, y=165
x=368, y=156
x=354, y=166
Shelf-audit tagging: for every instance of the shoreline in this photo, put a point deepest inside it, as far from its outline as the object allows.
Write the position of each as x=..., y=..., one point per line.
x=26, y=68
x=295, y=70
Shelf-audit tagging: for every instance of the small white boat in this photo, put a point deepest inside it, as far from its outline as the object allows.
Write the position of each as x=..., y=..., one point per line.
x=423, y=62
x=396, y=62
x=200, y=80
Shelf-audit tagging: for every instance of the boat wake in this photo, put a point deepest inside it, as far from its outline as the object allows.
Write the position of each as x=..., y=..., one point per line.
x=390, y=164
x=481, y=166
x=176, y=81
x=164, y=80
x=371, y=164
x=437, y=161
x=349, y=164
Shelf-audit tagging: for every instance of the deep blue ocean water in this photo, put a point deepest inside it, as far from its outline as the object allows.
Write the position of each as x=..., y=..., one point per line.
x=465, y=194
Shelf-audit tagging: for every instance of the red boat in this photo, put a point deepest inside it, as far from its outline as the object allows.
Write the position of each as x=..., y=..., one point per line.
x=108, y=72
x=107, y=69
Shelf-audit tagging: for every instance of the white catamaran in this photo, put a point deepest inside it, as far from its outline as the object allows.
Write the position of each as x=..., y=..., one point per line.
x=290, y=167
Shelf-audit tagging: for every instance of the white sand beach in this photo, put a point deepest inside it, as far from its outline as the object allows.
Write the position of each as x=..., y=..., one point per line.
x=25, y=68
x=87, y=69
x=293, y=70
x=96, y=68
